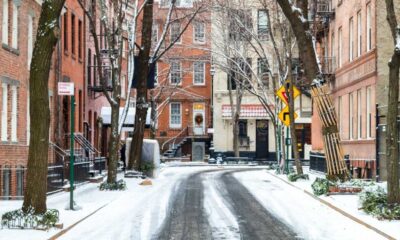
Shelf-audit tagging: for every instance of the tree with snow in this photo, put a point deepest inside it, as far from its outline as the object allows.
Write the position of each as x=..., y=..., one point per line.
x=48, y=34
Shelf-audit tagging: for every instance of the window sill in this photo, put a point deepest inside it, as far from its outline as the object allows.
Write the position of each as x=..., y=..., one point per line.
x=199, y=85
x=66, y=53
x=73, y=56
x=10, y=49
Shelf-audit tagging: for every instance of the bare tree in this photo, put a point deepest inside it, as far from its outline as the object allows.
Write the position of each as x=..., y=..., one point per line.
x=47, y=37
x=109, y=61
x=392, y=146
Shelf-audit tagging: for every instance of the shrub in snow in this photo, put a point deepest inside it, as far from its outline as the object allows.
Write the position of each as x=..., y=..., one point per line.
x=293, y=177
x=321, y=186
x=373, y=200
x=118, y=185
x=20, y=219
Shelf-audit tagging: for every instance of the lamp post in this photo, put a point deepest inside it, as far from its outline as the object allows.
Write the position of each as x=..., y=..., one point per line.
x=212, y=73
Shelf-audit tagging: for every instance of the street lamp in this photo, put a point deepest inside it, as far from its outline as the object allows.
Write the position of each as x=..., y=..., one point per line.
x=212, y=73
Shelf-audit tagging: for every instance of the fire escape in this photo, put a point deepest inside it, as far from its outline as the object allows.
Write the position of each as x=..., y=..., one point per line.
x=322, y=14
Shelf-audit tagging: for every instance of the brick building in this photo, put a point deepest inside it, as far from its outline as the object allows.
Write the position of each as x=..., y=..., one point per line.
x=355, y=44
x=183, y=88
x=18, y=30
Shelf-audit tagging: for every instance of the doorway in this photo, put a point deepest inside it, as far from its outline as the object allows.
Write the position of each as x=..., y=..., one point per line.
x=262, y=139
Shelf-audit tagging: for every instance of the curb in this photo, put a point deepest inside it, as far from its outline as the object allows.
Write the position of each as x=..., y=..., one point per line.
x=62, y=232
x=344, y=213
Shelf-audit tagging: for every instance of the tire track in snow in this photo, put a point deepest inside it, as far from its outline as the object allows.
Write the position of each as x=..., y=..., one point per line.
x=223, y=223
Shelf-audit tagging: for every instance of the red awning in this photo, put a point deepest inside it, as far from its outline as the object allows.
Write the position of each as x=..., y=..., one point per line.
x=246, y=111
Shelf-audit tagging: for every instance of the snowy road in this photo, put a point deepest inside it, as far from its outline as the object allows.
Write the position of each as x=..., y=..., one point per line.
x=193, y=203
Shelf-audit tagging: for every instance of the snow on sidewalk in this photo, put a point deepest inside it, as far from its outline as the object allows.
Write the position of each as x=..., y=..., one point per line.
x=308, y=217
x=133, y=214
x=350, y=204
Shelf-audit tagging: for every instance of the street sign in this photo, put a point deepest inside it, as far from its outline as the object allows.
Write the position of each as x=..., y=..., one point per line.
x=65, y=88
x=284, y=96
x=284, y=116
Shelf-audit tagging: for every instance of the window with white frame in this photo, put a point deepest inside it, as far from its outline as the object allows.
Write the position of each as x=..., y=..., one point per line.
x=175, y=72
x=14, y=119
x=351, y=39
x=4, y=112
x=369, y=115
x=30, y=39
x=154, y=34
x=5, y=22
x=178, y=3
x=369, y=27
x=262, y=25
x=359, y=115
x=340, y=47
x=199, y=32
x=123, y=86
x=175, y=120
x=175, y=32
x=14, y=36
x=124, y=48
x=359, y=32
x=351, y=116
x=155, y=73
x=199, y=73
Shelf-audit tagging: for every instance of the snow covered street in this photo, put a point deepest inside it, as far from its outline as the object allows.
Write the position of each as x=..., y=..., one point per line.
x=200, y=202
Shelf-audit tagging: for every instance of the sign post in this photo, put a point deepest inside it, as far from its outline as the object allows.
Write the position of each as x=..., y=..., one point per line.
x=67, y=89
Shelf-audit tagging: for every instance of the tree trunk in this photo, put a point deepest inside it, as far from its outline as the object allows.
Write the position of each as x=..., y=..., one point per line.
x=295, y=150
x=47, y=37
x=113, y=145
x=392, y=146
x=141, y=95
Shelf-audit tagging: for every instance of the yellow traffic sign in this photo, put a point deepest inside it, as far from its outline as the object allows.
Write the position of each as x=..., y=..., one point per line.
x=284, y=116
x=284, y=96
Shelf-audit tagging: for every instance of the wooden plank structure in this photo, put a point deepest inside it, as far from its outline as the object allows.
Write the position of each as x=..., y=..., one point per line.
x=336, y=166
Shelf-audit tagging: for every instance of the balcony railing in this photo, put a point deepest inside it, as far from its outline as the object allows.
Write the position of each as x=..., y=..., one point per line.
x=328, y=65
x=324, y=7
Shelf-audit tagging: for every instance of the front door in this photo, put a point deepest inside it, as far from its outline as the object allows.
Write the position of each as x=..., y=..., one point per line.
x=262, y=139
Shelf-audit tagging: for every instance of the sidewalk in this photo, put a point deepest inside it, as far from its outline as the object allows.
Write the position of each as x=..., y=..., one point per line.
x=346, y=205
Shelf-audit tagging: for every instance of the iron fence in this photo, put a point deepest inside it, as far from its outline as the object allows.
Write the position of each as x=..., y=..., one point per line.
x=317, y=162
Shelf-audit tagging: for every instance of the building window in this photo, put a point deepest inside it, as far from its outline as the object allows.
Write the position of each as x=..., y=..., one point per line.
x=244, y=140
x=369, y=114
x=80, y=39
x=199, y=32
x=20, y=181
x=240, y=22
x=369, y=27
x=155, y=73
x=198, y=72
x=263, y=72
x=359, y=116
x=5, y=22
x=340, y=49
x=89, y=67
x=351, y=39
x=240, y=72
x=175, y=115
x=333, y=50
x=14, y=42
x=123, y=86
x=175, y=32
x=154, y=34
x=72, y=33
x=4, y=113
x=14, y=120
x=175, y=72
x=65, y=31
x=359, y=32
x=124, y=48
x=178, y=3
x=6, y=189
x=262, y=25
x=30, y=39
x=351, y=118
